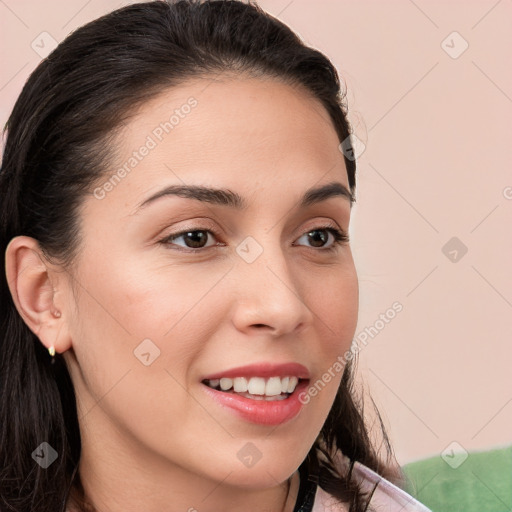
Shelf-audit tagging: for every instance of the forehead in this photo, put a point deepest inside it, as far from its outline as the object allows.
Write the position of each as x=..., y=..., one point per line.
x=245, y=132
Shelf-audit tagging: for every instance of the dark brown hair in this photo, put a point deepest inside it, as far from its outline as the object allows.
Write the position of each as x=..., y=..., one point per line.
x=58, y=145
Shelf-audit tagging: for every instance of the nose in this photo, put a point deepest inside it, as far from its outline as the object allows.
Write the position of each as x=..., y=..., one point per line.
x=270, y=296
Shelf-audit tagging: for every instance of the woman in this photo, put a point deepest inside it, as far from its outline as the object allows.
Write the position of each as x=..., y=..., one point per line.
x=179, y=295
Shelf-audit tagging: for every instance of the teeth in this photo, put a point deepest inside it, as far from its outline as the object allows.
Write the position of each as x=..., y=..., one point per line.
x=292, y=384
x=226, y=384
x=256, y=386
x=240, y=384
x=272, y=387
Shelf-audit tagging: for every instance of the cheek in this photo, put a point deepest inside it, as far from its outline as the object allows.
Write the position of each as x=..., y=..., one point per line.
x=135, y=341
x=336, y=310
x=131, y=314
x=138, y=301
x=163, y=299
x=336, y=307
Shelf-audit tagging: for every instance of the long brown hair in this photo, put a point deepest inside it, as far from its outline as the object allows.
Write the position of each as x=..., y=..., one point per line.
x=57, y=147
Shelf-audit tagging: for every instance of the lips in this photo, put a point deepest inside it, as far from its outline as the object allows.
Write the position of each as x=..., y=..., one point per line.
x=260, y=393
x=264, y=370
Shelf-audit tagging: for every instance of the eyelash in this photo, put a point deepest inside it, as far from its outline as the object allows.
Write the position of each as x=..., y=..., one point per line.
x=340, y=238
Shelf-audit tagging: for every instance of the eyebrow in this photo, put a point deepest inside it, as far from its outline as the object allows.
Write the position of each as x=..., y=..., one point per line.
x=226, y=197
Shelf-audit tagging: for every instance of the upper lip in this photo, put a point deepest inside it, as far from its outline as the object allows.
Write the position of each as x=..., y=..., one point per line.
x=263, y=370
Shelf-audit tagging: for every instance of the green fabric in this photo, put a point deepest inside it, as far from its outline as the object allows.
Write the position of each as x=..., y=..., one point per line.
x=482, y=483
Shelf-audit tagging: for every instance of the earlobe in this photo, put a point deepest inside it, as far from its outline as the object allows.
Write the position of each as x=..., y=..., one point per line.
x=33, y=293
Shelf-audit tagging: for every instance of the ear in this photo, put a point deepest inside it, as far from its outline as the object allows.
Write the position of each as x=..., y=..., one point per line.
x=34, y=286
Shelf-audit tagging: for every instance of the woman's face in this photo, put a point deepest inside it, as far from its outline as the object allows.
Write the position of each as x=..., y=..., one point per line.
x=258, y=300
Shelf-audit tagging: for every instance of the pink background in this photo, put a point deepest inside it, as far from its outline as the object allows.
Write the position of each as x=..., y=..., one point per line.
x=437, y=164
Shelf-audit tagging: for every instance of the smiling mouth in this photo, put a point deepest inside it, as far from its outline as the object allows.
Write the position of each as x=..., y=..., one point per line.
x=256, y=388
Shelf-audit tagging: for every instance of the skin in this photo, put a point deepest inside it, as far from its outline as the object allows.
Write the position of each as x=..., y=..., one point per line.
x=151, y=438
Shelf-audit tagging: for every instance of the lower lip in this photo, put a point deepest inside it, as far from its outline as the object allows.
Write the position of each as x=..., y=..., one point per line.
x=263, y=412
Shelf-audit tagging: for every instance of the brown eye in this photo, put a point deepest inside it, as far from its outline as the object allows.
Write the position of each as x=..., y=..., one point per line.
x=318, y=237
x=194, y=239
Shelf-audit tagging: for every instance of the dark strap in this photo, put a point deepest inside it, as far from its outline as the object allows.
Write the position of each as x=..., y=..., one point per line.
x=307, y=490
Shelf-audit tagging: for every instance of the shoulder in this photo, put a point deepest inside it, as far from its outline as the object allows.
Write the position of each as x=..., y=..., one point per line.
x=385, y=496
